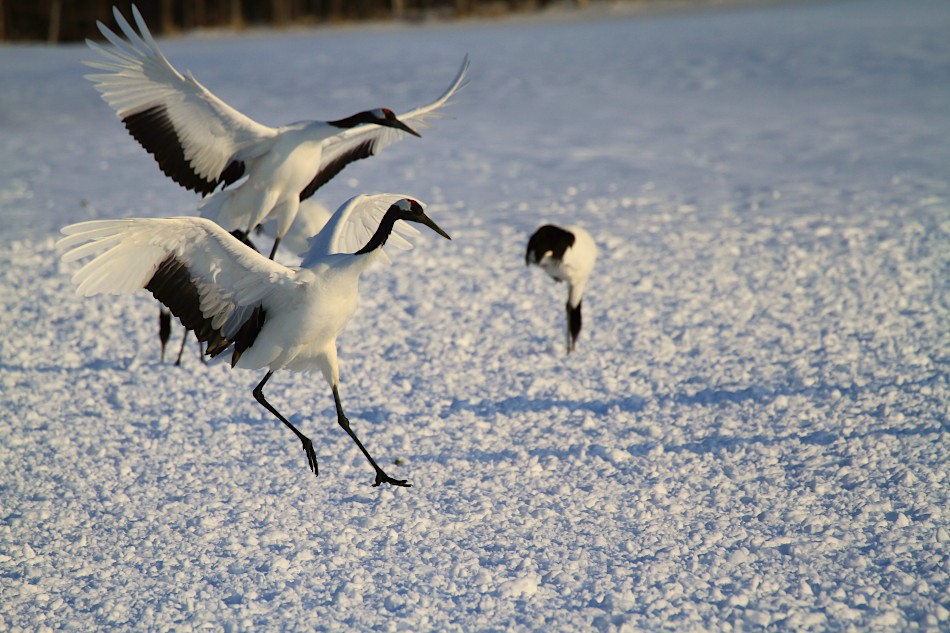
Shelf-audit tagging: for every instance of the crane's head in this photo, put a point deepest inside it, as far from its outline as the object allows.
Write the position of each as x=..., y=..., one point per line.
x=411, y=211
x=385, y=117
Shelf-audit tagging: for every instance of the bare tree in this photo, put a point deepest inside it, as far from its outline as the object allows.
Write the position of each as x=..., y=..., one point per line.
x=55, y=19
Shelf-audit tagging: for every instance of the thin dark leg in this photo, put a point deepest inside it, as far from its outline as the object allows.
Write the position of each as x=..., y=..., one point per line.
x=164, y=329
x=307, y=444
x=273, y=251
x=381, y=476
x=244, y=238
x=567, y=328
x=182, y=348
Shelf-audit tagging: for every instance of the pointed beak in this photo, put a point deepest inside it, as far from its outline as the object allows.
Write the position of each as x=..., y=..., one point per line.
x=435, y=227
x=399, y=125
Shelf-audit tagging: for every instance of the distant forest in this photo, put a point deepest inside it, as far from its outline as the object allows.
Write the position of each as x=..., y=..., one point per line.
x=70, y=20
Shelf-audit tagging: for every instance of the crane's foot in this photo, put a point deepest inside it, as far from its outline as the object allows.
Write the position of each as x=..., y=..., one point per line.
x=383, y=478
x=311, y=455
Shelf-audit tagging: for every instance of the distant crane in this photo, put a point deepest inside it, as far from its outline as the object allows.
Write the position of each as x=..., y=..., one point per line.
x=232, y=297
x=202, y=143
x=566, y=254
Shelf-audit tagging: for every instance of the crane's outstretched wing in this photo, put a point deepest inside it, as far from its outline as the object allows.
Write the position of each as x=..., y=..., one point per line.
x=194, y=136
x=351, y=226
x=210, y=280
x=364, y=141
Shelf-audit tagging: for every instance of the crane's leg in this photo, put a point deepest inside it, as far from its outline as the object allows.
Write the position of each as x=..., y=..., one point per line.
x=164, y=329
x=244, y=238
x=567, y=329
x=182, y=348
x=381, y=476
x=273, y=250
x=307, y=444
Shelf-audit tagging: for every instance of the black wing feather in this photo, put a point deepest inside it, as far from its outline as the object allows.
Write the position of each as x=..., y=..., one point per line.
x=246, y=336
x=363, y=150
x=154, y=131
x=172, y=284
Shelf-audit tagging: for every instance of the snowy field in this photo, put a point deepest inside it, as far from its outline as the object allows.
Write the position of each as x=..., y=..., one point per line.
x=752, y=433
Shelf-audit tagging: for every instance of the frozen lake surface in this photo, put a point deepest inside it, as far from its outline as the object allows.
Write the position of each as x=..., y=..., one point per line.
x=752, y=432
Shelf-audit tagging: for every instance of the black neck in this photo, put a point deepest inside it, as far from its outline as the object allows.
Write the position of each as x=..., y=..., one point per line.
x=352, y=121
x=382, y=232
x=574, y=320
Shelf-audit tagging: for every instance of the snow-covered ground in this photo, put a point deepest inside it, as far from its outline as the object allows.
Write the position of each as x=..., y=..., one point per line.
x=754, y=428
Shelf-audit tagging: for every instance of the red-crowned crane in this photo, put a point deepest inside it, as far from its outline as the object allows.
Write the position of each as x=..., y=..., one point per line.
x=201, y=142
x=566, y=254
x=234, y=298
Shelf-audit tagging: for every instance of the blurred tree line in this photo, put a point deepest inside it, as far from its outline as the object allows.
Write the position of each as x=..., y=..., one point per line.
x=69, y=20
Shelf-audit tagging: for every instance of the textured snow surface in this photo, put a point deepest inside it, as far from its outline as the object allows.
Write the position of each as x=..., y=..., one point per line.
x=752, y=433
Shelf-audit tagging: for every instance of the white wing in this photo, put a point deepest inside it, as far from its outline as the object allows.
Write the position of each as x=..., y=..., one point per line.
x=193, y=135
x=311, y=217
x=363, y=141
x=351, y=226
x=419, y=117
x=206, y=277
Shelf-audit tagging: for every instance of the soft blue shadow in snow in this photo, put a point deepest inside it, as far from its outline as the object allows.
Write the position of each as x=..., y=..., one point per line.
x=525, y=404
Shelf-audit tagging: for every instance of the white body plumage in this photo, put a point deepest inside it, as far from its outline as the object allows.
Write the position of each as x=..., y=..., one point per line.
x=277, y=173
